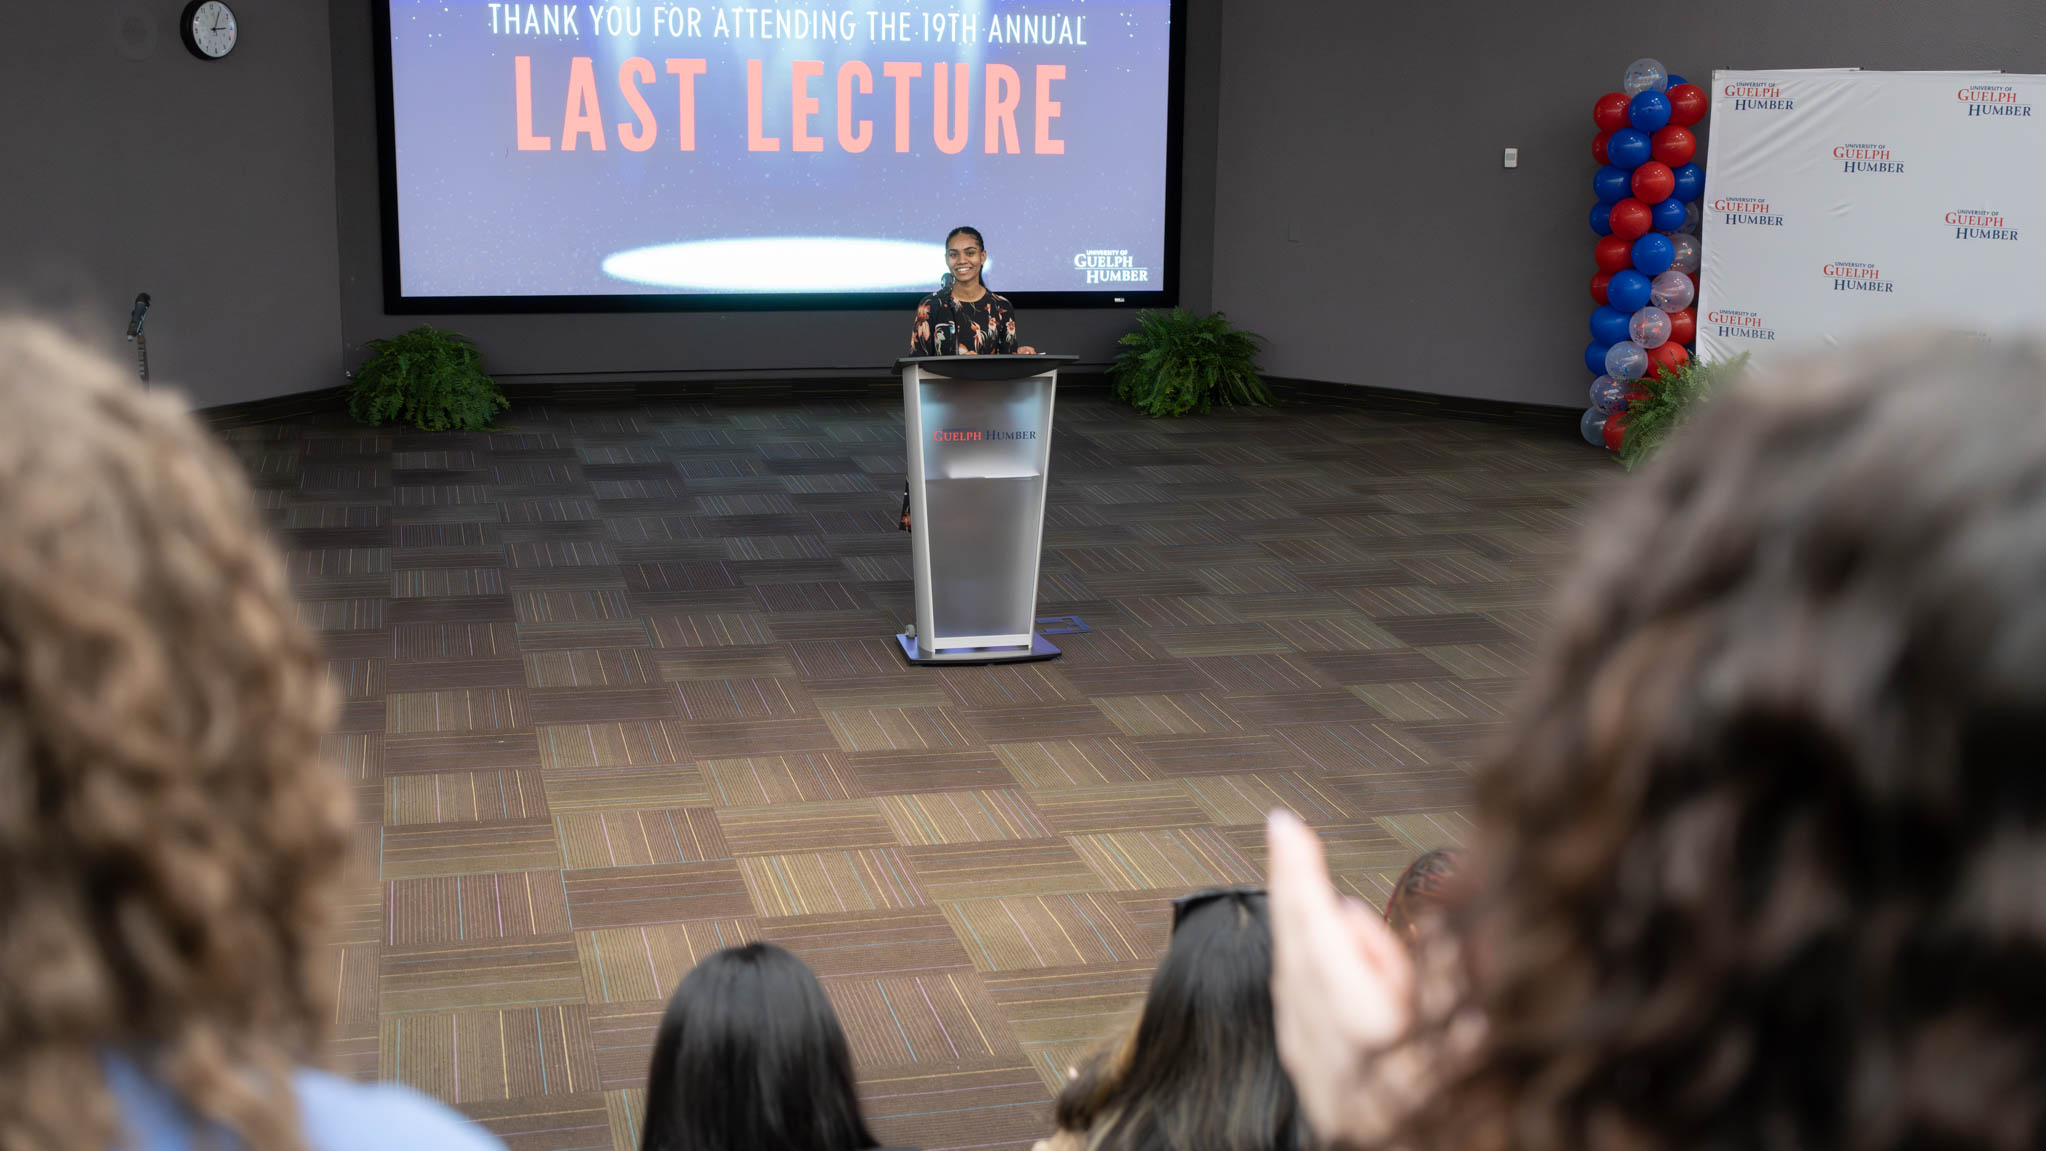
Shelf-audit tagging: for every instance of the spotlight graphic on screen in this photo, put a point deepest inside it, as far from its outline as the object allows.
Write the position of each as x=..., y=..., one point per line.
x=631, y=155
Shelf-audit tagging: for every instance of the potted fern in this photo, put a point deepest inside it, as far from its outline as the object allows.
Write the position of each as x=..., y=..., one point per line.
x=1178, y=362
x=430, y=378
x=1671, y=398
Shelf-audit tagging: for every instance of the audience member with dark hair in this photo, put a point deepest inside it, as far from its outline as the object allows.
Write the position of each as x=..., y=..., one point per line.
x=751, y=1056
x=169, y=844
x=1200, y=1071
x=1762, y=862
x=1427, y=891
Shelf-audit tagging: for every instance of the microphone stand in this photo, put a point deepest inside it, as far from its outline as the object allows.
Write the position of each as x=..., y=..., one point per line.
x=139, y=337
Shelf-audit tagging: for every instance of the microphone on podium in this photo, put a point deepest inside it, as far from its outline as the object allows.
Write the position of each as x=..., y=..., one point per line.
x=136, y=317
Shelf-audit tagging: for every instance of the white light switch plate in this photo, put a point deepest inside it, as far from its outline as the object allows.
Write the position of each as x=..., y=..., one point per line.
x=1513, y=157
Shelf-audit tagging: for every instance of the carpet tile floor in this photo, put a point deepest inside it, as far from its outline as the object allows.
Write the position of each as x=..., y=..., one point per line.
x=621, y=689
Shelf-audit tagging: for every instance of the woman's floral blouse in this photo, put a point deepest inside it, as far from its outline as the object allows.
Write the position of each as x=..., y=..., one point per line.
x=949, y=327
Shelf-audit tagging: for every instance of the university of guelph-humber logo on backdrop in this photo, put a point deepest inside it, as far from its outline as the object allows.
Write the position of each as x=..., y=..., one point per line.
x=1851, y=276
x=1758, y=96
x=1992, y=100
x=1980, y=224
x=1746, y=211
x=1734, y=324
x=1868, y=158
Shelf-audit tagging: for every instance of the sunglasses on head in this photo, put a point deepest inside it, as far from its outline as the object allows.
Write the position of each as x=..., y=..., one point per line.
x=1186, y=905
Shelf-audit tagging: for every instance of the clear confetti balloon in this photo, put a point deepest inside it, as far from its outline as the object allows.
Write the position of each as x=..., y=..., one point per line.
x=1608, y=395
x=1592, y=426
x=1672, y=292
x=1626, y=360
x=1645, y=75
x=1694, y=217
x=1649, y=327
x=1688, y=250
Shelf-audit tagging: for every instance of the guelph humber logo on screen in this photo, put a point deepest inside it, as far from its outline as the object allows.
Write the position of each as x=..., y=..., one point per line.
x=1746, y=211
x=1110, y=266
x=1980, y=224
x=1849, y=276
x=1992, y=100
x=1757, y=96
x=1734, y=324
x=1876, y=158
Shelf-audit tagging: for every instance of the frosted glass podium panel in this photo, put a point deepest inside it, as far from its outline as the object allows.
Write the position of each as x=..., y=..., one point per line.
x=978, y=431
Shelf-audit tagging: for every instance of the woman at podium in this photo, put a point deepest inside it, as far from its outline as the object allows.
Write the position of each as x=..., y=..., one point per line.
x=963, y=318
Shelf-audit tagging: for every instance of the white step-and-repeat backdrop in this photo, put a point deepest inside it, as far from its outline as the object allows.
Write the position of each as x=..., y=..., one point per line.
x=1842, y=203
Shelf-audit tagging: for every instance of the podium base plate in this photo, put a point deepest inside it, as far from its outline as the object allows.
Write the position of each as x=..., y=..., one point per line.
x=1040, y=648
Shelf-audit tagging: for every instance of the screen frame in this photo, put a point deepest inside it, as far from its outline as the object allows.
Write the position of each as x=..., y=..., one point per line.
x=397, y=303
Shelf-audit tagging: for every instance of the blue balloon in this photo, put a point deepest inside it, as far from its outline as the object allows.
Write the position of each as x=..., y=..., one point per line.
x=1595, y=353
x=1653, y=254
x=1609, y=324
x=1627, y=293
x=1648, y=111
x=1690, y=182
x=1592, y=426
x=1628, y=148
x=1602, y=218
x=1612, y=184
x=1675, y=80
x=1667, y=213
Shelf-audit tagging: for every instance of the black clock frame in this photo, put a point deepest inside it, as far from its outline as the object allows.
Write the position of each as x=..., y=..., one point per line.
x=191, y=42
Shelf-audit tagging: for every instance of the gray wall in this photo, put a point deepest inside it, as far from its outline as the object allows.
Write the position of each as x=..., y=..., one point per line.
x=686, y=343
x=1364, y=222
x=209, y=185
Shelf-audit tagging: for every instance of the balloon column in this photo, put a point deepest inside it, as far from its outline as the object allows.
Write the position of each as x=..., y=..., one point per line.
x=1647, y=217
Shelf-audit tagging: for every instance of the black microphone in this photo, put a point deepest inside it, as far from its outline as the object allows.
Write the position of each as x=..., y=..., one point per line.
x=135, y=317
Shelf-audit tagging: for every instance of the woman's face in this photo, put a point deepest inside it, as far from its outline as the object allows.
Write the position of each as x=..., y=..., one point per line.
x=964, y=256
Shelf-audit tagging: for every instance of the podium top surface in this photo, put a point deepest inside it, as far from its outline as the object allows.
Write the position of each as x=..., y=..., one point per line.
x=985, y=367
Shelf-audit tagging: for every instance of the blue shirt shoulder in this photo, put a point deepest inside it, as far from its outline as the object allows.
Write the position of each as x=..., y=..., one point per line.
x=335, y=1114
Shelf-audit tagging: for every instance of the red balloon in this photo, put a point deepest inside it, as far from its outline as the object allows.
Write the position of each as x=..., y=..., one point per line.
x=1634, y=397
x=1653, y=182
x=1687, y=104
x=1615, y=432
x=1674, y=145
x=1666, y=357
x=1683, y=326
x=1598, y=286
x=1610, y=112
x=1598, y=147
x=1632, y=219
x=1614, y=254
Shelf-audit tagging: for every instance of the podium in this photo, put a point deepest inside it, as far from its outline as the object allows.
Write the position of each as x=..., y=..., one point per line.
x=979, y=438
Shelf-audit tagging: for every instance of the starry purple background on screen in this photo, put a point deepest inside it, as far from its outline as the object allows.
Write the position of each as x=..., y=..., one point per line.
x=479, y=216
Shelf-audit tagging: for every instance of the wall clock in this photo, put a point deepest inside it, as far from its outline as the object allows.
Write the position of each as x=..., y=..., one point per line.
x=208, y=29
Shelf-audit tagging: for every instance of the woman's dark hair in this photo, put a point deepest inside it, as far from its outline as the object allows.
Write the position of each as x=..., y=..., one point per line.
x=1430, y=886
x=1765, y=850
x=964, y=230
x=1201, y=1069
x=750, y=1055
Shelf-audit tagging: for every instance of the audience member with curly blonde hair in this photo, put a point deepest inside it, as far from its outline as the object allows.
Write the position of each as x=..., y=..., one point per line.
x=169, y=843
